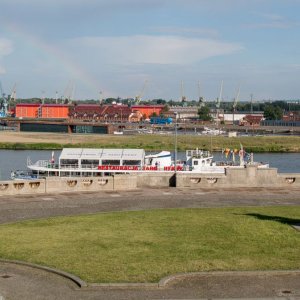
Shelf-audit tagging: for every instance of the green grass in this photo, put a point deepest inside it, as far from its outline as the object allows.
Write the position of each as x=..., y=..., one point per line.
x=145, y=246
x=159, y=142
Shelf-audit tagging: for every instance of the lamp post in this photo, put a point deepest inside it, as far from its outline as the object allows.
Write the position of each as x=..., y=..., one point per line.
x=175, y=154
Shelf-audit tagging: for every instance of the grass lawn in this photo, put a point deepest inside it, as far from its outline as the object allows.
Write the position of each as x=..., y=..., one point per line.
x=144, y=246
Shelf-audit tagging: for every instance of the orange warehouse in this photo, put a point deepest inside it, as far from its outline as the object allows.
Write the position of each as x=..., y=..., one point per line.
x=45, y=111
x=54, y=111
x=27, y=110
x=148, y=110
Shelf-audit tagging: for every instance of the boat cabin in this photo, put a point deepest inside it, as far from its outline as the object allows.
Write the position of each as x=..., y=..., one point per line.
x=85, y=158
x=198, y=159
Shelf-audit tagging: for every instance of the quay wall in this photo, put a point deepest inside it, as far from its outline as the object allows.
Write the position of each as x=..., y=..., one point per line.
x=251, y=176
x=240, y=177
x=67, y=185
x=156, y=180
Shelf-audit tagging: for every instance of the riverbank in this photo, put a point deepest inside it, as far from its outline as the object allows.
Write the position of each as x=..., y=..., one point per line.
x=53, y=141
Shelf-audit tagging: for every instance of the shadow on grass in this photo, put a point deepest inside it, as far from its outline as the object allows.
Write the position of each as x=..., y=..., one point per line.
x=278, y=219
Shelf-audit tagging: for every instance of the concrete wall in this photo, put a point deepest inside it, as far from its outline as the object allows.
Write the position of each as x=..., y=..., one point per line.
x=79, y=184
x=70, y=184
x=155, y=180
x=125, y=182
x=23, y=187
x=240, y=177
x=234, y=177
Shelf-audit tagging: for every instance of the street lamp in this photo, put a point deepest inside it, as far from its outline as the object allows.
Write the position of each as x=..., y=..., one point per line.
x=175, y=154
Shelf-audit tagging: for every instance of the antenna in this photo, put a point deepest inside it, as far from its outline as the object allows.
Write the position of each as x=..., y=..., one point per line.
x=251, y=103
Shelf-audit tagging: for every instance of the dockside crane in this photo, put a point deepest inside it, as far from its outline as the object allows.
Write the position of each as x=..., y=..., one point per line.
x=138, y=97
x=183, y=97
x=6, y=100
x=235, y=102
x=218, y=103
x=3, y=103
x=69, y=92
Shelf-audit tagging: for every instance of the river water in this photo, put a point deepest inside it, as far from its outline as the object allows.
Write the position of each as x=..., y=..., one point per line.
x=17, y=160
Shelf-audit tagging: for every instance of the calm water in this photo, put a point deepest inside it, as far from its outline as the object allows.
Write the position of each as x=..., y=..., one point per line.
x=16, y=160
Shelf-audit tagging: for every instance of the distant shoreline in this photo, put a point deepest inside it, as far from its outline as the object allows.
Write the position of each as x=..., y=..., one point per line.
x=151, y=142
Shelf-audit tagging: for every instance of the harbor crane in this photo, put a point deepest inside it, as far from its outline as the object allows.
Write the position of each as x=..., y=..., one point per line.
x=69, y=92
x=235, y=102
x=138, y=97
x=3, y=103
x=183, y=97
x=220, y=96
x=6, y=100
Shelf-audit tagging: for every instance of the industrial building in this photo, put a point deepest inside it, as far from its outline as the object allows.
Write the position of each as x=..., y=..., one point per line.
x=43, y=111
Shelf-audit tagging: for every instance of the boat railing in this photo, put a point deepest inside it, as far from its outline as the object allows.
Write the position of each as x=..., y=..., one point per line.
x=40, y=163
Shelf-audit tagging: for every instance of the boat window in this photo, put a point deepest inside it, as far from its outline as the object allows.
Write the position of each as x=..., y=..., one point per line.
x=110, y=162
x=131, y=162
x=70, y=162
x=90, y=162
x=195, y=162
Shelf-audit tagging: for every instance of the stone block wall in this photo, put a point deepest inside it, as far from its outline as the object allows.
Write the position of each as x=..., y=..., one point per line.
x=23, y=187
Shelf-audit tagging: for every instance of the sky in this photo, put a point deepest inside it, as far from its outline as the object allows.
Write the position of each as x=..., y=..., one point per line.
x=91, y=49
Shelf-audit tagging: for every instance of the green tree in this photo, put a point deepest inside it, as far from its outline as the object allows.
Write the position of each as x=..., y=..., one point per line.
x=204, y=113
x=273, y=112
x=164, y=110
x=154, y=114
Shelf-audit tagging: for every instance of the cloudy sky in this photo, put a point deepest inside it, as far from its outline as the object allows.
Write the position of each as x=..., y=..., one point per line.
x=112, y=47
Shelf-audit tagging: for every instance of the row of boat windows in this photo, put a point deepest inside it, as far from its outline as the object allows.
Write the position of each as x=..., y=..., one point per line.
x=196, y=162
x=75, y=162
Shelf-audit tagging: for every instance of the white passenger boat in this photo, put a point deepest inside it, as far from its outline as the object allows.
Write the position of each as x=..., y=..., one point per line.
x=99, y=162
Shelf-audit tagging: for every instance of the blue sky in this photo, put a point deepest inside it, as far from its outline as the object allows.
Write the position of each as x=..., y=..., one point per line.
x=114, y=46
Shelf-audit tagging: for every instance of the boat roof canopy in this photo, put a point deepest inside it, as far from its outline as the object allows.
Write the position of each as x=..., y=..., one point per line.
x=103, y=154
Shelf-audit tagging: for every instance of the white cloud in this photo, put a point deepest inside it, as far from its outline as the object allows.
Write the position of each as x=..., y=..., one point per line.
x=145, y=49
x=5, y=49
